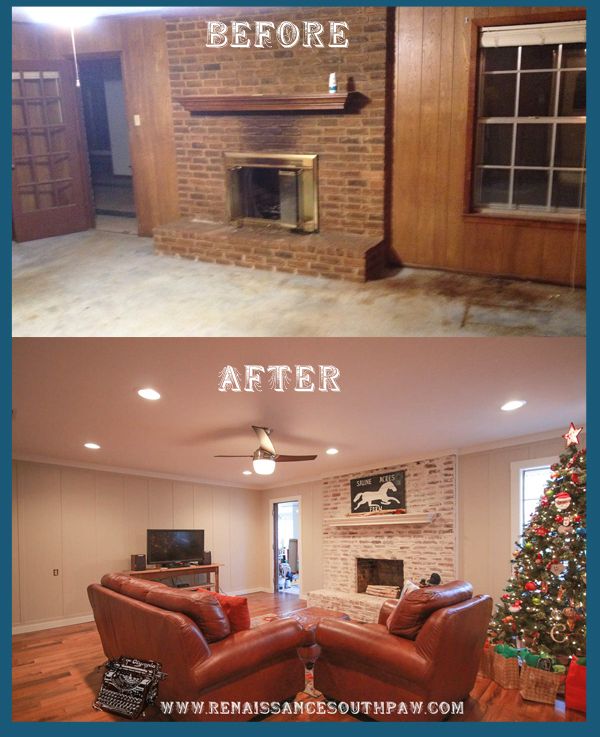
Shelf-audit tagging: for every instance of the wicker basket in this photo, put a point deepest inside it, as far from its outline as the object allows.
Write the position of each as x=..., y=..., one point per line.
x=486, y=663
x=506, y=671
x=540, y=685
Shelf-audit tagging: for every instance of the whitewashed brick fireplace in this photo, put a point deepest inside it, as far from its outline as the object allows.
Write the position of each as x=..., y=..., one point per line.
x=423, y=547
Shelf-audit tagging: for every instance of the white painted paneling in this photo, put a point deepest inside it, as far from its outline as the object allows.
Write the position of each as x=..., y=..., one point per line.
x=79, y=562
x=160, y=499
x=221, y=544
x=111, y=529
x=40, y=542
x=136, y=513
x=16, y=600
x=183, y=506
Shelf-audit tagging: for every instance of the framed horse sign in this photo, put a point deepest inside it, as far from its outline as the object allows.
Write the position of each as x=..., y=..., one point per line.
x=381, y=492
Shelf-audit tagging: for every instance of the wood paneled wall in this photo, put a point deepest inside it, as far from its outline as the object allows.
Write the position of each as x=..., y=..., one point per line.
x=428, y=224
x=85, y=523
x=141, y=43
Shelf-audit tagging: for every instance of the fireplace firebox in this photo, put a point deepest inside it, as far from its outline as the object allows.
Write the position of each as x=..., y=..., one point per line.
x=378, y=572
x=273, y=189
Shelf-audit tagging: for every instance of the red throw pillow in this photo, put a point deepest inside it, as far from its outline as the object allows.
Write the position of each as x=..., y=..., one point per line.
x=413, y=609
x=203, y=609
x=236, y=609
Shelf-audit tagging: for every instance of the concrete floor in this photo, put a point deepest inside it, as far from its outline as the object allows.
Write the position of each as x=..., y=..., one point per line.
x=109, y=283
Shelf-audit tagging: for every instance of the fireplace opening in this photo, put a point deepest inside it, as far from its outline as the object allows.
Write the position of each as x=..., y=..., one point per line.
x=378, y=572
x=273, y=190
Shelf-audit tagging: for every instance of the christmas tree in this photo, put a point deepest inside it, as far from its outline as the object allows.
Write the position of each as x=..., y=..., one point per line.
x=543, y=605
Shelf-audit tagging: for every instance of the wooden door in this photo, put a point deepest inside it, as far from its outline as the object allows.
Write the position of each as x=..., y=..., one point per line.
x=51, y=183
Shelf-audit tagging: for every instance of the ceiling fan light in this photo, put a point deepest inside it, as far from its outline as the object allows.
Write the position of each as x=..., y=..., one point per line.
x=263, y=466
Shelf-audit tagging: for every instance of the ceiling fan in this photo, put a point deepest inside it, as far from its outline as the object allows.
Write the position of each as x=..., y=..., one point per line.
x=265, y=457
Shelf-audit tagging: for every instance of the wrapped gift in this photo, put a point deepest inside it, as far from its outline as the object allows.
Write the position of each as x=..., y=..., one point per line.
x=575, y=690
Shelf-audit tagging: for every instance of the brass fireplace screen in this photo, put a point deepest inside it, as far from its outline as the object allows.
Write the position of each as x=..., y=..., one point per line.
x=273, y=189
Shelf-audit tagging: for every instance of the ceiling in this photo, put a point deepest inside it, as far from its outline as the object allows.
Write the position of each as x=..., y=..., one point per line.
x=400, y=398
x=46, y=13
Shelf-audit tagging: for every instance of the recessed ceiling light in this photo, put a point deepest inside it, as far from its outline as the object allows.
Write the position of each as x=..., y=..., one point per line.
x=247, y=473
x=513, y=404
x=149, y=393
x=92, y=446
x=332, y=451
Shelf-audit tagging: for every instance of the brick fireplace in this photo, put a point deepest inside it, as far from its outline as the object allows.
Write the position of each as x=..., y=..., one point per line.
x=414, y=549
x=349, y=143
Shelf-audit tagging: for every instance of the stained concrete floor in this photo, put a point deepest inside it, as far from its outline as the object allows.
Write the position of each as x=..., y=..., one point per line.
x=108, y=283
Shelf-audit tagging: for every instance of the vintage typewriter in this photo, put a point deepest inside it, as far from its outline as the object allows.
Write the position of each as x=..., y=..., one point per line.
x=128, y=686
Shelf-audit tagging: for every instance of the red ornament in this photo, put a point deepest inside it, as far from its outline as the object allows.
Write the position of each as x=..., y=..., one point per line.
x=572, y=435
x=541, y=531
x=530, y=586
x=575, y=478
x=505, y=597
x=576, y=518
x=559, y=518
x=545, y=502
x=562, y=501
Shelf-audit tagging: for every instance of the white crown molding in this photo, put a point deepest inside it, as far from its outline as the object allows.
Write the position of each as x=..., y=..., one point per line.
x=125, y=471
x=519, y=440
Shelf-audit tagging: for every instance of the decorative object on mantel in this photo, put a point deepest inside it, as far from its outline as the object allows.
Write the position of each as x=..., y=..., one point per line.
x=373, y=493
x=322, y=102
x=417, y=518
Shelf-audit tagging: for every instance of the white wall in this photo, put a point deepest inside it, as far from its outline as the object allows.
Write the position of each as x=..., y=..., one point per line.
x=484, y=511
x=311, y=532
x=86, y=523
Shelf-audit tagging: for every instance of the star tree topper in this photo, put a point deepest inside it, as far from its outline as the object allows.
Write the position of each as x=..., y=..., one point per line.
x=572, y=435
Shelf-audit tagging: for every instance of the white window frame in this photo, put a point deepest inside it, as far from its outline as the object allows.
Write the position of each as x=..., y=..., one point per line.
x=516, y=502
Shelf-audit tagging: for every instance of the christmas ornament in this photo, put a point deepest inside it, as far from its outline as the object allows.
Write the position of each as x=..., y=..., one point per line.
x=530, y=586
x=541, y=531
x=558, y=633
x=572, y=435
x=559, y=518
x=557, y=568
x=535, y=600
x=549, y=492
x=515, y=606
x=562, y=500
x=582, y=531
x=574, y=478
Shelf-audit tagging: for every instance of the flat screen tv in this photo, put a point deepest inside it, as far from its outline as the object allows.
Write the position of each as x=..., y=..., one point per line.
x=166, y=546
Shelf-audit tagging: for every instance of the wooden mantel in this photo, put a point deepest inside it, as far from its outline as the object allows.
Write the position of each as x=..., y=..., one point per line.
x=383, y=519
x=335, y=101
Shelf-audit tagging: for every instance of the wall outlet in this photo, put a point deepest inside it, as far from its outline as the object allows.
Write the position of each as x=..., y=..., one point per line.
x=55, y=571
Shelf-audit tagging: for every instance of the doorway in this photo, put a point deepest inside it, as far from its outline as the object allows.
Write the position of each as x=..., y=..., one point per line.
x=105, y=121
x=286, y=553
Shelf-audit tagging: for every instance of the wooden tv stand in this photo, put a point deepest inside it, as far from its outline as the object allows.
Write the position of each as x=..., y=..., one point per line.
x=157, y=574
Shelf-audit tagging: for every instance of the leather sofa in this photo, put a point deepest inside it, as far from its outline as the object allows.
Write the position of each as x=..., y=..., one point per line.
x=259, y=664
x=435, y=660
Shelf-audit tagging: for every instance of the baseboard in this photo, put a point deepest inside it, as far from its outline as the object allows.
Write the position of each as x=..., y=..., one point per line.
x=20, y=629
x=243, y=592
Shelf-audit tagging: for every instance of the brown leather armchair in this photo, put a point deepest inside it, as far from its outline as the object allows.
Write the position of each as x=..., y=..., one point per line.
x=367, y=663
x=259, y=664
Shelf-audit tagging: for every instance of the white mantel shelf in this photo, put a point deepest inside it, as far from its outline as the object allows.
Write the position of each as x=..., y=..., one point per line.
x=383, y=519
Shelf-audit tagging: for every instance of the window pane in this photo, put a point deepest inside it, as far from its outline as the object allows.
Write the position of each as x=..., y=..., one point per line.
x=535, y=97
x=531, y=187
x=529, y=508
x=493, y=186
x=539, y=57
x=570, y=145
x=568, y=189
x=573, y=55
x=533, y=145
x=534, y=482
x=496, y=142
x=498, y=95
x=501, y=59
x=572, y=93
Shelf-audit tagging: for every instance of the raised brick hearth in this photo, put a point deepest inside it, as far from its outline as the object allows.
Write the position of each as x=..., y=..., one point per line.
x=350, y=144
x=423, y=548
x=336, y=256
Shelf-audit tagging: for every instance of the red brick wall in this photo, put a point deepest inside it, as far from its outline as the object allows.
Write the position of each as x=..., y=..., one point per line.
x=350, y=145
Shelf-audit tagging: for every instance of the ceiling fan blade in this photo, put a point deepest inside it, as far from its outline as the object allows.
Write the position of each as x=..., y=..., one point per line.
x=288, y=459
x=232, y=456
x=264, y=439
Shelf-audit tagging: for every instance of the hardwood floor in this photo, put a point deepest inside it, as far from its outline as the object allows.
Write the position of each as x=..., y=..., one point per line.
x=57, y=674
